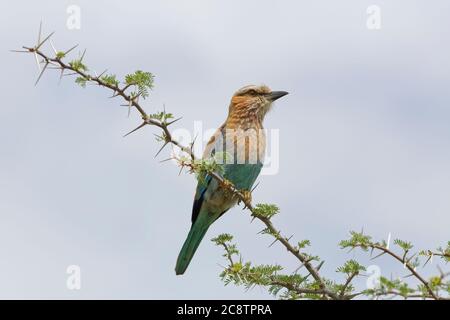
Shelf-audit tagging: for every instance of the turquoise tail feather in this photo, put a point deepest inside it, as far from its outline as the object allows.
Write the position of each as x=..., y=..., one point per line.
x=195, y=236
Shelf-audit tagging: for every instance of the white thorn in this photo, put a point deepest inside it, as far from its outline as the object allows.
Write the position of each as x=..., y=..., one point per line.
x=40, y=75
x=37, y=61
x=61, y=75
x=53, y=47
x=40, y=31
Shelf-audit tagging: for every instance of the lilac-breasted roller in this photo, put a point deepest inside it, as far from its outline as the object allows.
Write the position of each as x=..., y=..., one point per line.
x=242, y=141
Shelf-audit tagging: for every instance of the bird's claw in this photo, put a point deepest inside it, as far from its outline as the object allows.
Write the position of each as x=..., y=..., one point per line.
x=247, y=197
x=227, y=185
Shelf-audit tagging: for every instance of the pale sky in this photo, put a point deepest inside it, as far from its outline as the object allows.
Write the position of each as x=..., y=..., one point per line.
x=364, y=139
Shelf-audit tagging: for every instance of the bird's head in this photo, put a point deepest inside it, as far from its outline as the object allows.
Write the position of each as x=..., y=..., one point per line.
x=253, y=102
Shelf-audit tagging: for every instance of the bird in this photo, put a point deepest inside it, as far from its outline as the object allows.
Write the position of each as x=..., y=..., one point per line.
x=239, y=147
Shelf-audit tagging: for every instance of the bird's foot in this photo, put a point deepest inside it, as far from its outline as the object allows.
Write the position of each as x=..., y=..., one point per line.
x=228, y=187
x=247, y=197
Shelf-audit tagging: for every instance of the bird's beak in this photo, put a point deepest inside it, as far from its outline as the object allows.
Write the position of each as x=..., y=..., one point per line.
x=275, y=95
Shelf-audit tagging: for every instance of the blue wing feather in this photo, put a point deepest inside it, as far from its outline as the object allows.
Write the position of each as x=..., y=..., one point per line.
x=199, y=197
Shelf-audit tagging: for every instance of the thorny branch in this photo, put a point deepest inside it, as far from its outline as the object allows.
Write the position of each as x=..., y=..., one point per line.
x=141, y=82
x=427, y=289
x=407, y=264
x=272, y=280
x=168, y=139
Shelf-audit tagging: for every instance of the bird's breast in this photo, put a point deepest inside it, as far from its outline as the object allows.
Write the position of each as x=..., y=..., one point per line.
x=243, y=143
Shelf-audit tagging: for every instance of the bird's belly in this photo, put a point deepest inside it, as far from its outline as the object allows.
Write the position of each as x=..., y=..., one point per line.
x=218, y=199
x=242, y=176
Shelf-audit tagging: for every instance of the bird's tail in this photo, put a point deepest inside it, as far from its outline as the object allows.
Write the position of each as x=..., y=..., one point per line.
x=195, y=236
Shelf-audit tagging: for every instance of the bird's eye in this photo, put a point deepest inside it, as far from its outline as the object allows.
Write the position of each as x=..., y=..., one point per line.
x=252, y=92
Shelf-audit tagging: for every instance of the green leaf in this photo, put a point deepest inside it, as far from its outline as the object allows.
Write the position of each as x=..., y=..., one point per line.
x=81, y=81
x=303, y=244
x=142, y=80
x=266, y=210
x=403, y=244
x=357, y=239
x=222, y=239
x=202, y=167
x=78, y=65
x=161, y=116
x=351, y=267
x=60, y=55
x=110, y=79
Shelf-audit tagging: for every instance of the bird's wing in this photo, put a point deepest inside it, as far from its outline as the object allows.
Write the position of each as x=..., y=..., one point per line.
x=202, y=186
x=243, y=176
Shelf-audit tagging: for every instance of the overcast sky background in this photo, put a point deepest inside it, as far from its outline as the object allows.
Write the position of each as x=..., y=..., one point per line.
x=364, y=139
